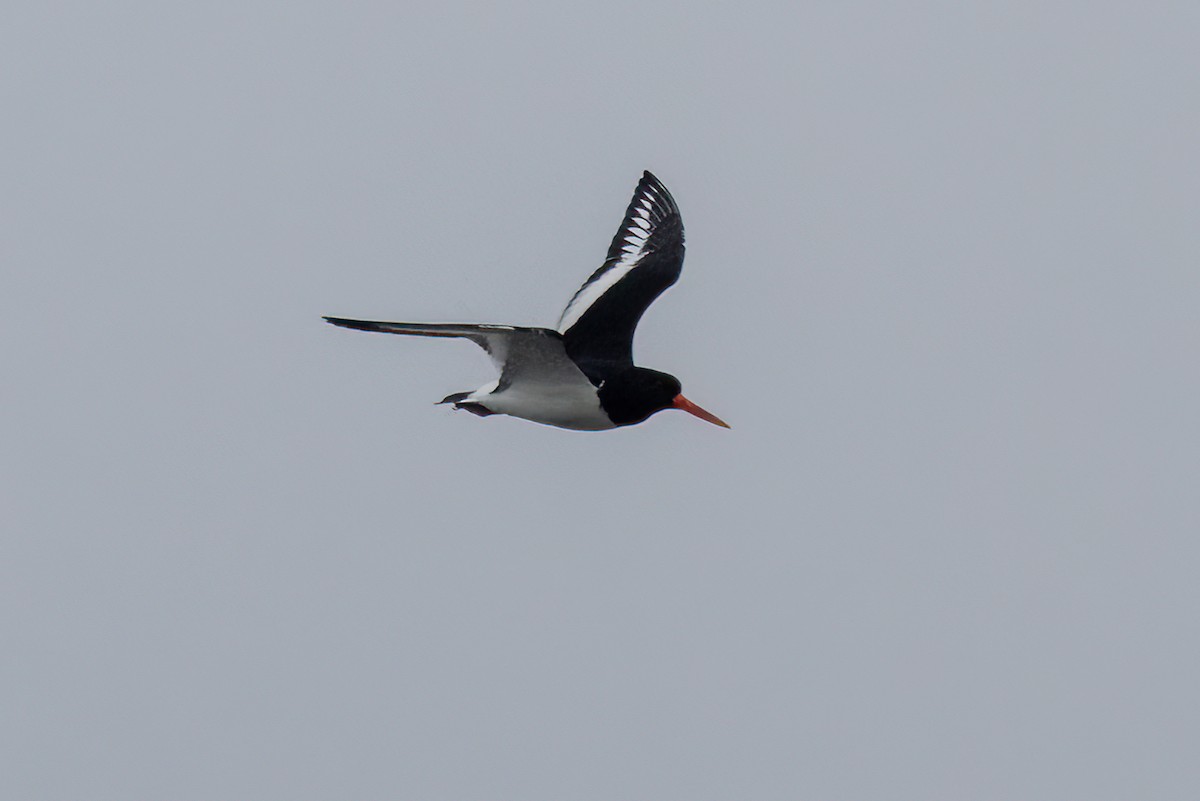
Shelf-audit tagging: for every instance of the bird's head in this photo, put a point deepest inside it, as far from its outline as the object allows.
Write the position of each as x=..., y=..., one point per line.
x=634, y=395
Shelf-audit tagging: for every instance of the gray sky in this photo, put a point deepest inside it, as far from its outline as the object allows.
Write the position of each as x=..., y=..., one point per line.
x=942, y=279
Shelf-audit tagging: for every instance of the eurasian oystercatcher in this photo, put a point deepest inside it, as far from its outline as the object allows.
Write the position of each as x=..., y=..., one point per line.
x=581, y=376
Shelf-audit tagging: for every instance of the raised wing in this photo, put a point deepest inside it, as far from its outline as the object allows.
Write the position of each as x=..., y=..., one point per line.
x=645, y=257
x=534, y=355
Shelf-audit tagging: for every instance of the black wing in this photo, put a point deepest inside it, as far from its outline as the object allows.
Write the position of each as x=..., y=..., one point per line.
x=530, y=355
x=645, y=257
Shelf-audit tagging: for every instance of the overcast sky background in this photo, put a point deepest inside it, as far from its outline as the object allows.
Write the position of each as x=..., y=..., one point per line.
x=943, y=276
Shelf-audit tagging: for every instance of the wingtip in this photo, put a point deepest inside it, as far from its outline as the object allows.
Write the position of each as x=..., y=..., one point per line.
x=651, y=182
x=342, y=322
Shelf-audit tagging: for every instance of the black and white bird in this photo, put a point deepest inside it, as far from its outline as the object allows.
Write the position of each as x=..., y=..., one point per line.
x=581, y=376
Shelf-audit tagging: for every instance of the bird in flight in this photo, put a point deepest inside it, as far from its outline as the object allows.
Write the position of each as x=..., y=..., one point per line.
x=581, y=375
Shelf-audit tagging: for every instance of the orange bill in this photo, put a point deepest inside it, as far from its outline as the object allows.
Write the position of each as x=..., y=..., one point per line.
x=681, y=402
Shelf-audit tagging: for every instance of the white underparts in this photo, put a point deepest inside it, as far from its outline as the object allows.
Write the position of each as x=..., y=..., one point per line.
x=572, y=405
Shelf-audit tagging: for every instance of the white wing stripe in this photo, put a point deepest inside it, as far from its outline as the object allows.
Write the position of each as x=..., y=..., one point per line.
x=596, y=289
x=636, y=233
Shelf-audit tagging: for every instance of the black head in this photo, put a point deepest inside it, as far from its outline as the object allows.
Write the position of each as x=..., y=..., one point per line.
x=633, y=395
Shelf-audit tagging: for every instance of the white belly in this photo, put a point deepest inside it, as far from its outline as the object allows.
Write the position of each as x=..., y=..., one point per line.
x=574, y=405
